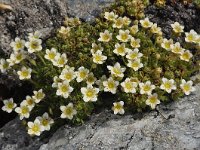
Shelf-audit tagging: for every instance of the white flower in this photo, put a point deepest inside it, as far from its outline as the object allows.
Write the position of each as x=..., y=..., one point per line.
x=29, y=101
x=18, y=44
x=98, y=57
x=35, y=128
x=35, y=35
x=51, y=54
x=117, y=70
x=24, y=73
x=146, y=88
x=4, y=65
x=60, y=60
x=111, y=16
x=16, y=58
x=129, y=86
x=176, y=48
x=105, y=36
x=38, y=95
x=118, y=23
x=134, y=29
x=152, y=101
x=135, y=64
x=118, y=108
x=90, y=93
x=96, y=48
x=123, y=36
x=91, y=79
x=68, y=74
x=135, y=43
x=110, y=85
x=81, y=74
x=191, y=36
x=146, y=23
x=187, y=87
x=9, y=105
x=100, y=82
x=34, y=45
x=64, y=31
x=126, y=20
x=46, y=121
x=56, y=80
x=64, y=89
x=120, y=49
x=155, y=29
x=133, y=55
x=166, y=44
x=23, y=111
x=168, y=85
x=68, y=111
x=177, y=28
x=186, y=55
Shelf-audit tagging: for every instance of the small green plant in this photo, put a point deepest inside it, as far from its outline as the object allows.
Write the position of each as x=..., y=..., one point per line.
x=120, y=62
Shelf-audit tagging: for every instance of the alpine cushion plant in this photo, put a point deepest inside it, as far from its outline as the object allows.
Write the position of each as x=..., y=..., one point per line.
x=120, y=57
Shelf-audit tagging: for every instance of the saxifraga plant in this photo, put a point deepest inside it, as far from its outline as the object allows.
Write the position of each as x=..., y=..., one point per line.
x=119, y=62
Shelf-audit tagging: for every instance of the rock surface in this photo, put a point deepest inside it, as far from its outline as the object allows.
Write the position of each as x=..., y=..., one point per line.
x=175, y=126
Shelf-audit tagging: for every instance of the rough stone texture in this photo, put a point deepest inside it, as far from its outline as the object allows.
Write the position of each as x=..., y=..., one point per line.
x=13, y=136
x=175, y=126
x=187, y=15
x=44, y=15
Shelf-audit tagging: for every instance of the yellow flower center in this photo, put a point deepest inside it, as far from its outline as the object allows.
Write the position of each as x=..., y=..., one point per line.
x=124, y=36
x=133, y=55
x=5, y=65
x=24, y=110
x=186, y=87
x=105, y=37
x=147, y=88
x=19, y=57
x=30, y=101
x=167, y=85
x=10, y=105
x=68, y=111
x=118, y=106
x=116, y=71
x=45, y=122
x=167, y=45
x=64, y=88
x=83, y=74
x=121, y=49
x=61, y=61
x=68, y=76
x=34, y=45
x=111, y=85
x=25, y=73
x=98, y=58
x=119, y=22
x=128, y=86
x=153, y=99
x=39, y=95
x=35, y=128
x=186, y=56
x=90, y=93
x=18, y=45
x=52, y=55
x=190, y=37
x=146, y=24
x=135, y=64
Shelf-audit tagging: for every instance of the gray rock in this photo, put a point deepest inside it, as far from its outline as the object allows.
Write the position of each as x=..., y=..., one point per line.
x=13, y=136
x=174, y=126
x=44, y=15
